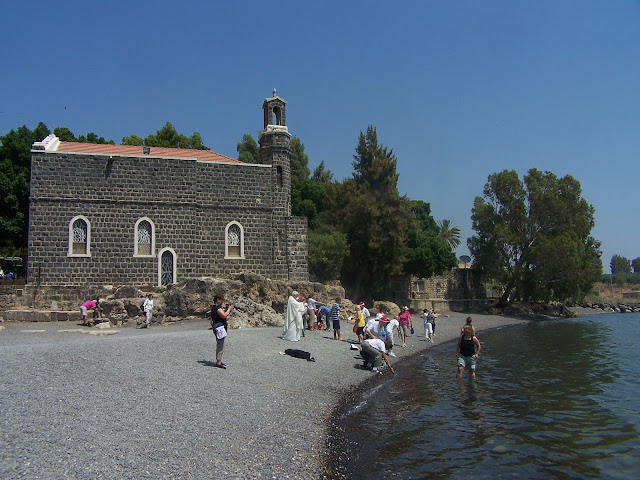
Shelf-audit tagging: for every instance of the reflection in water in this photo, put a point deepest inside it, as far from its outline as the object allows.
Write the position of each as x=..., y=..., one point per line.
x=555, y=399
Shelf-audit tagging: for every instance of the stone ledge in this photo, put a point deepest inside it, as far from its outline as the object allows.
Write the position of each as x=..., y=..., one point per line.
x=40, y=316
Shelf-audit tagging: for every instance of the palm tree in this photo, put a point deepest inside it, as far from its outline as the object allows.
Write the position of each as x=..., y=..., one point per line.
x=449, y=234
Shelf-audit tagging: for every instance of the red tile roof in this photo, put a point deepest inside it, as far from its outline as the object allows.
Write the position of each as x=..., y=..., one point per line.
x=135, y=151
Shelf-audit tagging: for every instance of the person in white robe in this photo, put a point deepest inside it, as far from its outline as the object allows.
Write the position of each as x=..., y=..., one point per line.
x=293, y=318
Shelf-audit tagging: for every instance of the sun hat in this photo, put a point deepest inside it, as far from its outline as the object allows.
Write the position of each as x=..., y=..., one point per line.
x=406, y=308
x=383, y=319
x=361, y=304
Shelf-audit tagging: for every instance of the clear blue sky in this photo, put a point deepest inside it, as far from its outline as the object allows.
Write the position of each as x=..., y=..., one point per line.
x=458, y=89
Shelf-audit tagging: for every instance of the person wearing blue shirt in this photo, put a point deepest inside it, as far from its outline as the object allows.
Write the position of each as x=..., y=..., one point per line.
x=324, y=310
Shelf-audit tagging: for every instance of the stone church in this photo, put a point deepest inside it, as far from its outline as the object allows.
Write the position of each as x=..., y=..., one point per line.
x=136, y=215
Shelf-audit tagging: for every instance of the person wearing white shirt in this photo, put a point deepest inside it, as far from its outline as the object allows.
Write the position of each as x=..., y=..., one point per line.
x=374, y=351
x=365, y=311
x=148, y=308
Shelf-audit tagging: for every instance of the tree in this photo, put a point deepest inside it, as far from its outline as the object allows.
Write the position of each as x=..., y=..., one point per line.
x=15, y=173
x=168, y=137
x=620, y=264
x=64, y=134
x=327, y=252
x=133, y=140
x=93, y=138
x=248, y=150
x=449, y=234
x=299, y=162
x=636, y=265
x=427, y=253
x=374, y=217
x=535, y=237
x=320, y=174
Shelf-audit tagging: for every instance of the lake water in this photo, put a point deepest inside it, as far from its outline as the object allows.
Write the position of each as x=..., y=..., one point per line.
x=556, y=399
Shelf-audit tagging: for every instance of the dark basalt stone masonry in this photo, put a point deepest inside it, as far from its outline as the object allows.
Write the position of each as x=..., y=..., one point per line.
x=189, y=197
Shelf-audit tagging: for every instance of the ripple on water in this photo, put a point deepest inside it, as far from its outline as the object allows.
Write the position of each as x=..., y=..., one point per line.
x=557, y=399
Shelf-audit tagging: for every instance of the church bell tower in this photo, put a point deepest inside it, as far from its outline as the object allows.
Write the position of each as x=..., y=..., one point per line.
x=275, y=151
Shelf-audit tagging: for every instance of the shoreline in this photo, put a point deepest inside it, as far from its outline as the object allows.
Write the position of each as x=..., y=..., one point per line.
x=332, y=467
x=267, y=415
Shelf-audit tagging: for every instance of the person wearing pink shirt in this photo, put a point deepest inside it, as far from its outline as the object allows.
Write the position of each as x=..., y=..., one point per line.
x=404, y=328
x=85, y=307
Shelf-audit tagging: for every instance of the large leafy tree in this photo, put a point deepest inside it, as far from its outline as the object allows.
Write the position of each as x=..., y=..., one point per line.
x=534, y=236
x=620, y=264
x=374, y=217
x=636, y=265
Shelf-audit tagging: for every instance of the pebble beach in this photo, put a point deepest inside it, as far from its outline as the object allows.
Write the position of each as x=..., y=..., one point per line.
x=148, y=403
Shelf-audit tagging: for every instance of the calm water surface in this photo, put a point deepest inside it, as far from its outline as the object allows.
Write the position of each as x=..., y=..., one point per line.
x=552, y=399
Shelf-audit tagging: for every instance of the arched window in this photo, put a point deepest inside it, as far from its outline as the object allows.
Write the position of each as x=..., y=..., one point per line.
x=79, y=237
x=234, y=240
x=144, y=238
x=167, y=261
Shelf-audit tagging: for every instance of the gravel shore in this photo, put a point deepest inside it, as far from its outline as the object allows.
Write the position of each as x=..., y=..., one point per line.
x=148, y=403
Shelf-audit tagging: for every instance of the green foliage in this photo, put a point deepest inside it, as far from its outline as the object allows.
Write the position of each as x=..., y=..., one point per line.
x=327, y=252
x=308, y=199
x=15, y=173
x=248, y=150
x=449, y=234
x=299, y=162
x=320, y=174
x=427, y=253
x=620, y=264
x=374, y=217
x=636, y=265
x=133, y=140
x=66, y=135
x=93, y=138
x=168, y=137
x=307, y=195
x=534, y=237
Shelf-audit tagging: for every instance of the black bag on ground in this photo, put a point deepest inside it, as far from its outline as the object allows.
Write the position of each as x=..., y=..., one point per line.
x=294, y=352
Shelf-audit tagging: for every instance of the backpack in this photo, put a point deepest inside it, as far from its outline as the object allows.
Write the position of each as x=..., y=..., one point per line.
x=142, y=306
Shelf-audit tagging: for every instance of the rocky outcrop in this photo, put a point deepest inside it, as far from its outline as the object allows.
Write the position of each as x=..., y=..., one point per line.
x=257, y=301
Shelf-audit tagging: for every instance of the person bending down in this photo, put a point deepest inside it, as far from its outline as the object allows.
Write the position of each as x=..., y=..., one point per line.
x=374, y=351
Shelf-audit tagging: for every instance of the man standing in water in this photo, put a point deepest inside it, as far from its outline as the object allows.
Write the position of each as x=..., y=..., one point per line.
x=467, y=351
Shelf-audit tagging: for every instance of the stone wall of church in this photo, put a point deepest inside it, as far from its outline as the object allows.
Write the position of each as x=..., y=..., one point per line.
x=190, y=204
x=298, y=247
